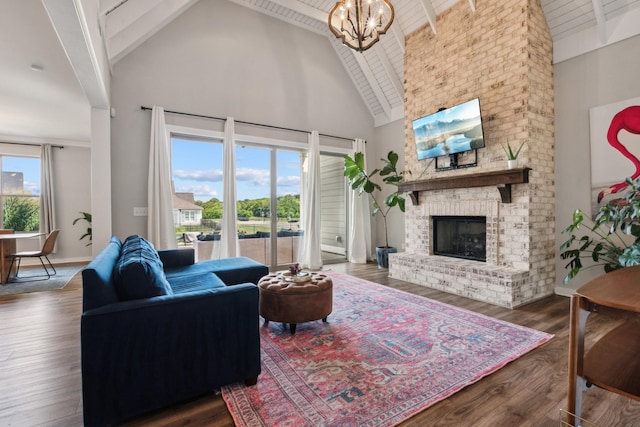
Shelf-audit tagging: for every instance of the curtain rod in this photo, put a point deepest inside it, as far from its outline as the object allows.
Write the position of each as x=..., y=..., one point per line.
x=247, y=123
x=31, y=145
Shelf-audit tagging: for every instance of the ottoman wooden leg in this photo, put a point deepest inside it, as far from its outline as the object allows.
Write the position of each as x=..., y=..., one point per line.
x=324, y=319
x=266, y=322
x=292, y=328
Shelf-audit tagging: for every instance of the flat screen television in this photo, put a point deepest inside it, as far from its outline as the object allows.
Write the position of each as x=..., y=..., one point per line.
x=449, y=131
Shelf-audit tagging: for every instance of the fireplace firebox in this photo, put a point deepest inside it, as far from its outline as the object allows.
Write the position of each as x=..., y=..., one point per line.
x=460, y=237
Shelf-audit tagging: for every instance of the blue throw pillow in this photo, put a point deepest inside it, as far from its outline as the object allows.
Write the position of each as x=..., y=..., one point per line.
x=138, y=272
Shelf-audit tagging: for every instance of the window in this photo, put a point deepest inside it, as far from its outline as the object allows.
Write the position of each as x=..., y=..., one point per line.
x=268, y=176
x=196, y=166
x=20, y=193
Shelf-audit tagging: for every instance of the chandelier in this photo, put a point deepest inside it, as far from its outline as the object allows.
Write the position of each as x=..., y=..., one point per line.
x=359, y=23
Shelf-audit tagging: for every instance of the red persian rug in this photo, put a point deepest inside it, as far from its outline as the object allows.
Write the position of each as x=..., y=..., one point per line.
x=383, y=356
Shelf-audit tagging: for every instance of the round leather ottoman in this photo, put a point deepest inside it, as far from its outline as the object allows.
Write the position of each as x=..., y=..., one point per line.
x=284, y=300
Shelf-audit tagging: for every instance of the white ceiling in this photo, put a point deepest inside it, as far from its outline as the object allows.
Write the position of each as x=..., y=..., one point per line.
x=55, y=104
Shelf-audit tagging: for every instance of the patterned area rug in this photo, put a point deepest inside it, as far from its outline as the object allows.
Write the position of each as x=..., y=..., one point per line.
x=32, y=280
x=383, y=356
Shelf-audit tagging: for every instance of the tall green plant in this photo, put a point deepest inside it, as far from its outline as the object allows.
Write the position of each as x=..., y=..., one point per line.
x=605, y=244
x=362, y=182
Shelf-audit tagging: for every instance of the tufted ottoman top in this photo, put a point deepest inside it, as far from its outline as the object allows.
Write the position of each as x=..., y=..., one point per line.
x=279, y=283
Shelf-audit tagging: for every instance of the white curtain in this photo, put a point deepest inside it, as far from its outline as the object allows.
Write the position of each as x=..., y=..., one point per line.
x=47, y=195
x=359, y=220
x=229, y=245
x=160, y=228
x=310, y=255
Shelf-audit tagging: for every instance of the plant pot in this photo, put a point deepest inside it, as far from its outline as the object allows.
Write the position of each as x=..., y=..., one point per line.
x=382, y=255
x=512, y=164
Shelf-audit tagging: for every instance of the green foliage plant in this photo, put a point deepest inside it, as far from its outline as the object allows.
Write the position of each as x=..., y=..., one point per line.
x=512, y=155
x=89, y=233
x=362, y=181
x=21, y=214
x=605, y=243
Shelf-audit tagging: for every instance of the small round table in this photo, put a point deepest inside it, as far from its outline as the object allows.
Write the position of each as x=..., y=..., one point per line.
x=295, y=299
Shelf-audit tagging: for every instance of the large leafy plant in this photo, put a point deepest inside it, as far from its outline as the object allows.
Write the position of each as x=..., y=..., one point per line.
x=606, y=244
x=361, y=180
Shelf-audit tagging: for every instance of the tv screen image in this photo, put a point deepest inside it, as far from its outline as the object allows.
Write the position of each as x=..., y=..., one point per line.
x=449, y=131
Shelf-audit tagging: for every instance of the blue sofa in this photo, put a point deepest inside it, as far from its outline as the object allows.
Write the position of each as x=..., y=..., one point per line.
x=157, y=329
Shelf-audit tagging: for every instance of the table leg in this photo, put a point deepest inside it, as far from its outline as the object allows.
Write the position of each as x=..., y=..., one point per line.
x=577, y=384
x=7, y=247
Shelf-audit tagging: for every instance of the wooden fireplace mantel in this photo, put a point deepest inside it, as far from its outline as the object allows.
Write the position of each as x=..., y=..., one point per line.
x=502, y=179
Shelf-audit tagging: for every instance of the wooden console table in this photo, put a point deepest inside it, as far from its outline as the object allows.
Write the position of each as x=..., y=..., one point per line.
x=612, y=363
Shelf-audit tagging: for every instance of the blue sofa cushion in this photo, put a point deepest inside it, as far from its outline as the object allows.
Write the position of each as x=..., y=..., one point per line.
x=138, y=272
x=231, y=271
x=196, y=282
x=97, y=277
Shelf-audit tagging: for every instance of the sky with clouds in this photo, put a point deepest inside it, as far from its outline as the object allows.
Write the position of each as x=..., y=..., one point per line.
x=197, y=168
x=29, y=166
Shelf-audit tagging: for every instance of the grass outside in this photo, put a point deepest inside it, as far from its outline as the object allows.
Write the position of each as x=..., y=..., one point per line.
x=251, y=226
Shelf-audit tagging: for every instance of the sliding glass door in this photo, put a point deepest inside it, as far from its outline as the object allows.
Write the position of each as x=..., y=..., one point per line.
x=287, y=197
x=269, y=189
x=333, y=208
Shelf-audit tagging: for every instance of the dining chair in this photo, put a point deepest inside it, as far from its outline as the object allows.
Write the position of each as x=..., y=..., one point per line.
x=47, y=248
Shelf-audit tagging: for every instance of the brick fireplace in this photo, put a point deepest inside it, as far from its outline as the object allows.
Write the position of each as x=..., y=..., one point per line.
x=502, y=54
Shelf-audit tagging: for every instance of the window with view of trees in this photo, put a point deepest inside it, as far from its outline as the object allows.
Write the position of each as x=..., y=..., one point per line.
x=268, y=176
x=20, y=193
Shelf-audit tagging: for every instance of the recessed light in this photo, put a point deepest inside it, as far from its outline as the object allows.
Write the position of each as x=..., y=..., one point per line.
x=37, y=67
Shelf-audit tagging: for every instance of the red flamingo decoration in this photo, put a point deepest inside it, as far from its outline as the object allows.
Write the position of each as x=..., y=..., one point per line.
x=629, y=120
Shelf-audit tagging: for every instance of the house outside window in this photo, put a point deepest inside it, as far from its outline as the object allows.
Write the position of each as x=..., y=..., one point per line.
x=185, y=211
x=20, y=193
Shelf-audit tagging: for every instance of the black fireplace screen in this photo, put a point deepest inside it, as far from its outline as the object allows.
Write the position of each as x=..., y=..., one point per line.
x=460, y=237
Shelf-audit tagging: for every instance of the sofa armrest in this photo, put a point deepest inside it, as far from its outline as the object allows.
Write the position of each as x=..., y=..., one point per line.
x=142, y=355
x=172, y=258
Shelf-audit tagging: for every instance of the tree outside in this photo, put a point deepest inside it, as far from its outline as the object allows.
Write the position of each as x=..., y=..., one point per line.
x=21, y=213
x=288, y=207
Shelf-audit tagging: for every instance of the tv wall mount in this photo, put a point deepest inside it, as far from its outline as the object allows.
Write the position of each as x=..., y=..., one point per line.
x=454, y=164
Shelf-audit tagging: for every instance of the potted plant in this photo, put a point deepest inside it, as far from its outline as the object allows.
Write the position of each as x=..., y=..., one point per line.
x=361, y=180
x=88, y=218
x=606, y=244
x=512, y=156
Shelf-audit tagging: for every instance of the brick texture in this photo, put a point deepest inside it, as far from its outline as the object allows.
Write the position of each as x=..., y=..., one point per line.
x=502, y=54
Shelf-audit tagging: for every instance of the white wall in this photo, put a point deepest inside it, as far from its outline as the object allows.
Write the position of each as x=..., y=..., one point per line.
x=598, y=78
x=205, y=62
x=389, y=137
x=73, y=195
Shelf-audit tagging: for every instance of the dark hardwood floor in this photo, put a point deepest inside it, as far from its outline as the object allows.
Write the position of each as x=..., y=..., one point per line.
x=40, y=368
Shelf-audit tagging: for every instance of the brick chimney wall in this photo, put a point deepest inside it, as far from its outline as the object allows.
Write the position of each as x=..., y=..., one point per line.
x=501, y=54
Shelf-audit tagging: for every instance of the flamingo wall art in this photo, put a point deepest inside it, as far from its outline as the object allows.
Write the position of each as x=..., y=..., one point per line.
x=615, y=148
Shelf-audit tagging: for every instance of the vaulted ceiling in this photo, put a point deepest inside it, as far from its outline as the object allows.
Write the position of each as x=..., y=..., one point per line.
x=577, y=27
